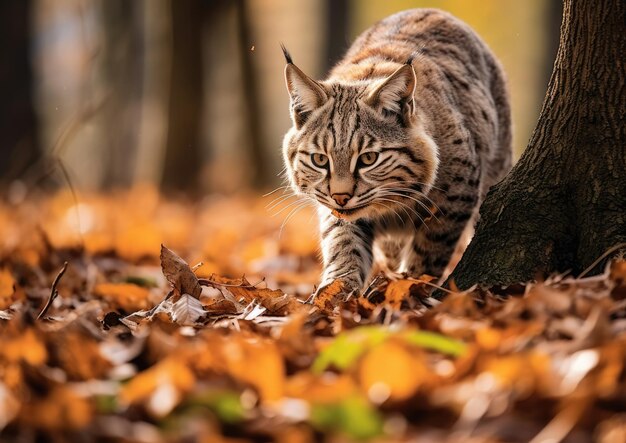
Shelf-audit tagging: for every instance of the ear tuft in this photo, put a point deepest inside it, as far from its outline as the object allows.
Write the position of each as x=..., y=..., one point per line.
x=286, y=54
x=305, y=93
x=394, y=92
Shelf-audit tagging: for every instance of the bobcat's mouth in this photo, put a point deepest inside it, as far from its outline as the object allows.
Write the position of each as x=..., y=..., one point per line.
x=347, y=213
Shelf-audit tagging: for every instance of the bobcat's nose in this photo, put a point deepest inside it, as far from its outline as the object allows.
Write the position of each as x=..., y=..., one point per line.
x=341, y=199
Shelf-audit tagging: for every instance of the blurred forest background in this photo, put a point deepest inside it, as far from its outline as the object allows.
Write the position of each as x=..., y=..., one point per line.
x=189, y=94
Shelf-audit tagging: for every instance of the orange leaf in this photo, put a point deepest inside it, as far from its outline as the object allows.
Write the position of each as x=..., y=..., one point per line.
x=389, y=370
x=124, y=295
x=267, y=375
x=160, y=387
x=398, y=291
x=61, y=409
x=324, y=388
x=138, y=241
x=84, y=365
x=27, y=347
x=7, y=289
x=328, y=297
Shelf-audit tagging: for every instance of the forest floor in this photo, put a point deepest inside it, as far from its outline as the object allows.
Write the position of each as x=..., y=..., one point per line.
x=107, y=336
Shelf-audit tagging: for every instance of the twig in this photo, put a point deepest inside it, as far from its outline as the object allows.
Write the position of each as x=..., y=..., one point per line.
x=209, y=282
x=197, y=266
x=602, y=257
x=441, y=288
x=53, y=292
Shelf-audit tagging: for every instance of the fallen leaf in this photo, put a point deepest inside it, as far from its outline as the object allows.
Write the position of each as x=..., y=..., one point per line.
x=126, y=296
x=61, y=409
x=328, y=297
x=27, y=347
x=174, y=378
x=352, y=416
x=179, y=274
x=187, y=310
x=7, y=289
x=391, y=371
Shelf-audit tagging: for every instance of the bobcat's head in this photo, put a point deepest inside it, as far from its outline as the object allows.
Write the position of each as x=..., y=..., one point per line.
x=358, y=148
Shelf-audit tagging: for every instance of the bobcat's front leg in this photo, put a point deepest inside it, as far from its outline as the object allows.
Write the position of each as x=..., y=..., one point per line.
x=347, y=252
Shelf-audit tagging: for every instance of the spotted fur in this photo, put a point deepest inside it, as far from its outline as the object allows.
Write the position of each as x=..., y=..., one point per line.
x=423, y=96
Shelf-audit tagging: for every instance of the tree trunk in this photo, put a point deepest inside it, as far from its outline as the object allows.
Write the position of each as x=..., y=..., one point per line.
x=256, y=149
x=121, y=72
x=183, y=158
x=564, y=204
x=337, y=38
x=19, y=142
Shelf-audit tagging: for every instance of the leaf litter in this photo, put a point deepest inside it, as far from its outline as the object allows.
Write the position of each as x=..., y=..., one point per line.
x=132, y=343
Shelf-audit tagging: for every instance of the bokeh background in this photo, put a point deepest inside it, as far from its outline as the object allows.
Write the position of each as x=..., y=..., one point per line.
x=189, y=95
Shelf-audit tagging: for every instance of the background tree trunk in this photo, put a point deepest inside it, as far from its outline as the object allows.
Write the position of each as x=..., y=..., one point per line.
x=564, y=203
x=19, y=143
x=337, y=37
x=121, y=71
x=183, y=158
x=256, y=149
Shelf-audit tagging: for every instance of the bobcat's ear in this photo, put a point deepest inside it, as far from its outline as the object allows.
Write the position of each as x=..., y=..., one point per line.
x=306, y=94
x=395, y=94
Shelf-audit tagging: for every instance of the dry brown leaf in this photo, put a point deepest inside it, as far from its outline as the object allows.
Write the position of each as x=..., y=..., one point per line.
x=61, y=409
x=87, y=364
x=179, y=274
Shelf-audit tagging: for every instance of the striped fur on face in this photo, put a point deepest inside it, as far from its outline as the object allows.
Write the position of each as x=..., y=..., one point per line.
x=399, y=144
x=358, y=148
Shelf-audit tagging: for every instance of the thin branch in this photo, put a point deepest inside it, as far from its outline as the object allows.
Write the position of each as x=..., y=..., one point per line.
x=53, y=291
x=608, y=252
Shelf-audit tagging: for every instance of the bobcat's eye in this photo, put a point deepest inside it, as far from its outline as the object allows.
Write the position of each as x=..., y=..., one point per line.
x=368, y=159
x=319, y=160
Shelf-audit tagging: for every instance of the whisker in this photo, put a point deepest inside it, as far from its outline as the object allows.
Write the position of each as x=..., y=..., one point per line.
x=276, y=190
x=394, y=211
x=278, y=200
x=400, y=193
x=300, y=200
x=291, y=214
x=402, y=204
x=421, y=194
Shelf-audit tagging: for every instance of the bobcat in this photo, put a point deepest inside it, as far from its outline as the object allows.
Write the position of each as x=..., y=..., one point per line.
x=399, y=145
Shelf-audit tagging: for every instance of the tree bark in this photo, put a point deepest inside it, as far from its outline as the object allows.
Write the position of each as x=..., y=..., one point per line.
x=337, y=39
x=183, y=153
x=121, y=71
x=256, y=149
x=19, y=141
x=564, y=203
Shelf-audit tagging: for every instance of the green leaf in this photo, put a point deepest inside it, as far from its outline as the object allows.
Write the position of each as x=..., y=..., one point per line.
x=146, y=282
x=348, y=346
x=225, y=404
x=435, y=342
x=354, y=417
x=106, y=404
